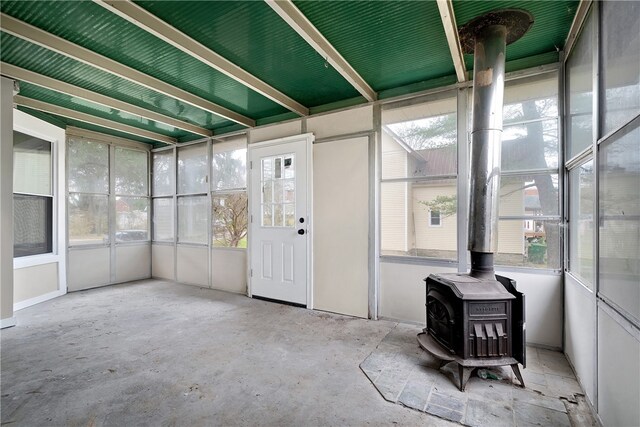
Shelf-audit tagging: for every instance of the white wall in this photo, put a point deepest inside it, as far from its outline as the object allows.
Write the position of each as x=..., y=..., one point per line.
x=580, y=332
x=89, y=268
x=229, y=270
x=403, y=292
x=618, y=370
x=133, y=262
x=341, y=226
x=163, y=262
x=193, y=265
x=6, y=203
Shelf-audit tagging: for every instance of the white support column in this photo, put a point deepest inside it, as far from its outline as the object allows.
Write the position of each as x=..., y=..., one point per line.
x=6, y=203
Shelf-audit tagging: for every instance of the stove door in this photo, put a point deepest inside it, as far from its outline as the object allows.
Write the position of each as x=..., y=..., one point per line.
x=518, y=324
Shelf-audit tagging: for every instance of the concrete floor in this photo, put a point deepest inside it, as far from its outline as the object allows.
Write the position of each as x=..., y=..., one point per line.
x=160, y=353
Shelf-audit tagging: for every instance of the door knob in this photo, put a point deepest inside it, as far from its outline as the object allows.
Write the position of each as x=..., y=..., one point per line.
x=301, y=231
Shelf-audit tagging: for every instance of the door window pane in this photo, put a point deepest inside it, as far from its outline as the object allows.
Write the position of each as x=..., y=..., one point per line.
x=163, y=173
x=88, y=219
x=278, y=191
x=230, y=220
x=132, y=219
x=580, y=91
x=32, y=225
x=31, y=165
x=620, y=62
x=406, y=218
x=581, y=232
x=88, y=166
x=192, y=169
x=163, y=220
x=192, y=219
x=619, y=222
x=131, y=172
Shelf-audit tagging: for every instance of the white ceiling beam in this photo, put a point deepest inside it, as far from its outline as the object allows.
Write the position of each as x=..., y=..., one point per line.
x=88, y=118
x=154, y=25
x=59, y=86
x=576, y=25
x=445, y=7
x=296, y=20
x=52, y=42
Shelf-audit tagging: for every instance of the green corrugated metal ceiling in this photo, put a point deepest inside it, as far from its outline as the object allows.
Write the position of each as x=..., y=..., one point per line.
x=398, y=47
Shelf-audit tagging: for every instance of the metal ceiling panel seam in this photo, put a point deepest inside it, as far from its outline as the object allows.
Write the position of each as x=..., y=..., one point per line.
x=72, y=114
x=31, y=57
x=390, y=43
x=164, y=31
x=251, y=35
x=296, y=19
x=92, y=27
x=71, y=102
x=57, y=44
x=24, y=75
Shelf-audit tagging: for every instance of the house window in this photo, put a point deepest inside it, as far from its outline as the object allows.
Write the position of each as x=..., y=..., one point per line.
x=229, y=207
x=434, y=218
x=33, y=196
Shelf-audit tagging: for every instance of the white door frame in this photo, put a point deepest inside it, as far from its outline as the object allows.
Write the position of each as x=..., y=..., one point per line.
x=308, y=138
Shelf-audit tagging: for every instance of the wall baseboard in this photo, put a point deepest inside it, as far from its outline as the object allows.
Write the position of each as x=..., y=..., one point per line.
x=37, y=300
x=8, y=322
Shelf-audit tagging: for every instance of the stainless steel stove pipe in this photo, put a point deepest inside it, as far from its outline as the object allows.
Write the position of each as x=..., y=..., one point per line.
x=486, y=142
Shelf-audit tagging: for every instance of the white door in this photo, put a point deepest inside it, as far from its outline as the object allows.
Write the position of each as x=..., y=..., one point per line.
x=280, y=219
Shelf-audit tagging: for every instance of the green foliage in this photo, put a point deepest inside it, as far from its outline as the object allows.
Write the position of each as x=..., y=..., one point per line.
x=446, y=205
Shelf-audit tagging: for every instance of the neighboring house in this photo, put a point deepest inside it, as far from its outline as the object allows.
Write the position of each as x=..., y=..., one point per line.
x=409, y=227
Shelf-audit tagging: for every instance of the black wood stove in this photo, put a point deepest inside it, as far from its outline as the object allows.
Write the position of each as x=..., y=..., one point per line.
x=478, y=319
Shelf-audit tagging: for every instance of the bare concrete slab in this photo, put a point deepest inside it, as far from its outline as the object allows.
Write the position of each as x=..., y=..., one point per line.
x=405, y=374
x=160, y=353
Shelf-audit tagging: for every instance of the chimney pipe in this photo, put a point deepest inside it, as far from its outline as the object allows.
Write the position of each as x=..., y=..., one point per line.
x=487, y=36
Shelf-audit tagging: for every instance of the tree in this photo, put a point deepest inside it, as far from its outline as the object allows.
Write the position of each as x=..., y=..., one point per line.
x=230, y=219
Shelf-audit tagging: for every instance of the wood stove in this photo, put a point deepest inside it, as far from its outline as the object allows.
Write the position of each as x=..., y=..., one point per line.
x=478, y=319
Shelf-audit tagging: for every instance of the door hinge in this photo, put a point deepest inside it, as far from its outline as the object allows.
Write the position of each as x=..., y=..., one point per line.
x=252, y=218
x=251, y=164
x=251, y=272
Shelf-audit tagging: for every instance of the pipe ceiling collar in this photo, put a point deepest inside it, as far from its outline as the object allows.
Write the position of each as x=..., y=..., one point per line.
x=517, y=22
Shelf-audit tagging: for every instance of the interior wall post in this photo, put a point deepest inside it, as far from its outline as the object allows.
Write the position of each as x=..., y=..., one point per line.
x=6, y=202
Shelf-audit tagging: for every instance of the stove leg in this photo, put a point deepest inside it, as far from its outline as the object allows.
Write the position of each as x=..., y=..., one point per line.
x=516, y=371
x=464, y=374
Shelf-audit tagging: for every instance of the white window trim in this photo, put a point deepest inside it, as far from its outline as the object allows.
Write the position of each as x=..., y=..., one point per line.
x=431, y=224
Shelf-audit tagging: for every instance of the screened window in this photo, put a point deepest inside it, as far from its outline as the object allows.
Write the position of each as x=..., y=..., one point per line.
x=581, y=232
x=229, y=207
x=529, y=231
x=193, y=187
x=132, y=191
x=164, y=188
x=33, y=196
x=88, y=192
x=579, y=72
x=619, y=221
x=620, y=63
x=418, y=191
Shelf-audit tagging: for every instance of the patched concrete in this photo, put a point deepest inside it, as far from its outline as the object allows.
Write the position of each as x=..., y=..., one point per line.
x=405, y=374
